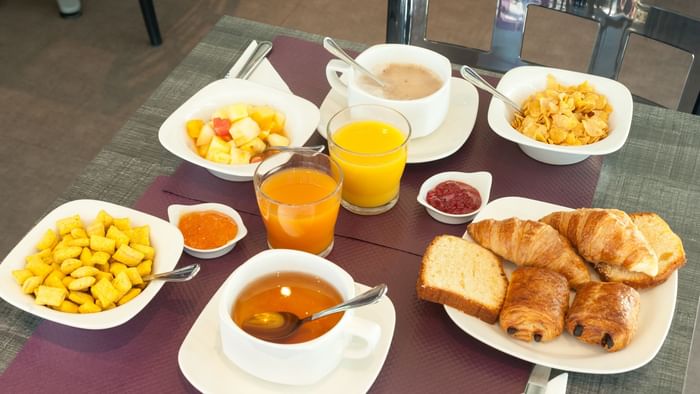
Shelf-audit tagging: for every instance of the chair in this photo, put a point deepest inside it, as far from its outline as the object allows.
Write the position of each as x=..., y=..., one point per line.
x=619, y=28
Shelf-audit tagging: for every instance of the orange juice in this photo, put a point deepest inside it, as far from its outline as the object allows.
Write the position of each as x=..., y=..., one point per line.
x=299, y=207
x=372, y=155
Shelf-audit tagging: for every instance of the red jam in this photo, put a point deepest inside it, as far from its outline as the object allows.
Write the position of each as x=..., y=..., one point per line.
x=454, y=197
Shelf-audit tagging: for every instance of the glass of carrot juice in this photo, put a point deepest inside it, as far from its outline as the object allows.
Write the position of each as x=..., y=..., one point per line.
x=369, y=142
x=298, y=195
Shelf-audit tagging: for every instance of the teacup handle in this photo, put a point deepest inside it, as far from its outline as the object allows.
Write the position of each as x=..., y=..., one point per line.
x=334, y=67
x=364, y=331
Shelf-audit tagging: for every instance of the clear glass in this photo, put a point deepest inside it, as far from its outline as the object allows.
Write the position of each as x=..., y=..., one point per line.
x=369, y=142
x=298, y=194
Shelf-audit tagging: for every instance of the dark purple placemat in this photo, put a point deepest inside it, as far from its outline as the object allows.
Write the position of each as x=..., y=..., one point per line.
x=428, y=353
x=407, y=226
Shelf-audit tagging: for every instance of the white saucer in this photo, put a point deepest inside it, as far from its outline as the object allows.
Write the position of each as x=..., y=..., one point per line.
x=446, y=140
x=206, y=367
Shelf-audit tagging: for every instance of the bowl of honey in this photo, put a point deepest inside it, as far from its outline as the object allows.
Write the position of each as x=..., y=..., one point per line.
x=210, y=230
x=285, y=280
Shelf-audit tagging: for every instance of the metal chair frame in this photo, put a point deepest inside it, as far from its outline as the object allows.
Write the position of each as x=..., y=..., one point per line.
x=407, y=22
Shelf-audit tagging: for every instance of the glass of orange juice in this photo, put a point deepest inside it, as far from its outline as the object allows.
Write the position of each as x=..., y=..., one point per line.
x=369, y=142
x=298, y=193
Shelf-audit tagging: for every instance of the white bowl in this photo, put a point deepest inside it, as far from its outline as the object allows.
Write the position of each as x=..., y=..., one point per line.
x=521, y=82
x=165, y=238
x=302, y=118
x=176, y=211
x=481, y=181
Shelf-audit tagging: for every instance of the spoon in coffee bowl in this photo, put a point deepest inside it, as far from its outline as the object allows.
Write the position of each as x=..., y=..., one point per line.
x=277, y=325
x=335, y=49
x=475, y=79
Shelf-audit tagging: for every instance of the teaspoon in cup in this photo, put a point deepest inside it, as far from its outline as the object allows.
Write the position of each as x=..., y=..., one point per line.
x=475, y=79
x=179, y=275
x=335, y=49
x=278, y=325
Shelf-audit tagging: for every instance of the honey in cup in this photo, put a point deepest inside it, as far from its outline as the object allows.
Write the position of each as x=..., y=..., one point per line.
x=402, y=81
x=296, y=292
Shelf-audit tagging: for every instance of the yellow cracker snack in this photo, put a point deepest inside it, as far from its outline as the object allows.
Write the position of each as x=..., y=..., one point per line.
x=565, y=115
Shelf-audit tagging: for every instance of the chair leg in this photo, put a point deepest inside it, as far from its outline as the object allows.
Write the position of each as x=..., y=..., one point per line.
x=149, y=18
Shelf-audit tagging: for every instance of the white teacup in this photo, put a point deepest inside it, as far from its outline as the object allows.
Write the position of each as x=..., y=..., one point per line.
x=302, y=363
x=425, y=114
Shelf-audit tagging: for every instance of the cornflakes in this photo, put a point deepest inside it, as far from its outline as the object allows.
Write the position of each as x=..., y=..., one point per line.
x=565, y=115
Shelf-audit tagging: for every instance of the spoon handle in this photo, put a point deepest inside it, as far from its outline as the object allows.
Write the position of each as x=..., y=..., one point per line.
x=368, y=297
x=179, y=275
x=335, y=49
x=263, y=48
x=475, y=79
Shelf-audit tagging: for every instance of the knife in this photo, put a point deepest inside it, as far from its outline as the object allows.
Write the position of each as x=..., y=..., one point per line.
x=263, y=48
x=537, y=382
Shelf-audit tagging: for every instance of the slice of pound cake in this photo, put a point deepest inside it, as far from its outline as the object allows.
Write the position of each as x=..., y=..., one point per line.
x=463, y=275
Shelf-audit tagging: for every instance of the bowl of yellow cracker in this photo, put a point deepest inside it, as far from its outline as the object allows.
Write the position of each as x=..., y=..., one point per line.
x=566, y=116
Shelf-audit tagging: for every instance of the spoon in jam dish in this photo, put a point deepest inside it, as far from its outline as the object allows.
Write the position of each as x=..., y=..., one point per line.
x=278, y=325
x=335, y=50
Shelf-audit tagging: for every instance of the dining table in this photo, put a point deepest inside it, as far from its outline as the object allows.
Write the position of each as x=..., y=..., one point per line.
x=656, y=170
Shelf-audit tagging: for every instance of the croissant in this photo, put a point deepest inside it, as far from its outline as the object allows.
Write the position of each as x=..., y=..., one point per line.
x=535, y=304
x=531, y=243
x=606, y=236
x=604, y=313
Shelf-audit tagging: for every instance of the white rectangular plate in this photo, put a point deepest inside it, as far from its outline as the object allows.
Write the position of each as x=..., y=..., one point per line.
x=205, y=366
x=566, y=352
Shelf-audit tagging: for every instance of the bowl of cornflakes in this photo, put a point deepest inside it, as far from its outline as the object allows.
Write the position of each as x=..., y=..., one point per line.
x=567, y=115
x=229, y=123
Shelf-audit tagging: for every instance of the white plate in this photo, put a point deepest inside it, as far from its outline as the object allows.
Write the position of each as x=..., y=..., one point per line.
x=207, y=368
x=165, y=238
x=301, y=119
x=566, y=352
x=520, y=82
x=446, y=140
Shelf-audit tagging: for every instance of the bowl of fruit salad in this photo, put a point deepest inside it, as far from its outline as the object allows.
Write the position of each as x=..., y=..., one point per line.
x=228, y=124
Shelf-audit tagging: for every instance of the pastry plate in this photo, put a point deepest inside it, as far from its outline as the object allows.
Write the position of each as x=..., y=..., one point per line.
x=206, y=367
x=566, y=352
x=446, y=140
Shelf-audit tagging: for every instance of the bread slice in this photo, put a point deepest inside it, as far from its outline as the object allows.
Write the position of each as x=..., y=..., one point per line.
x=463, y=275
x=666, y=244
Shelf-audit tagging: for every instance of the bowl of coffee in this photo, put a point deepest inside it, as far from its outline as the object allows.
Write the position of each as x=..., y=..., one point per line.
x=416, y=83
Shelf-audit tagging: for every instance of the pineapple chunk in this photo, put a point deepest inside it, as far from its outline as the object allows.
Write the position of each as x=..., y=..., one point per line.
x=240, y=156
x=243, y=131
x=205, y=136
x=275, y=139
x=235, y=112
x=280, y=120
x=254, y=146
x=218, y=157
x=218, y=145
x=194, y=127
x=264, y=115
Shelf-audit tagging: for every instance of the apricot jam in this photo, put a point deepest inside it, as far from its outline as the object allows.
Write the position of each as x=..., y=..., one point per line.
x=207, y=229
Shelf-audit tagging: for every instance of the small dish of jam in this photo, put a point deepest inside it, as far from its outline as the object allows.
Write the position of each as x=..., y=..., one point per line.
x=455, y=197
x=210, y=230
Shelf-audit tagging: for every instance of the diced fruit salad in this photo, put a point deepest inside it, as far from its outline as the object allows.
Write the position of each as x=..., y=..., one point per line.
x=238, y=133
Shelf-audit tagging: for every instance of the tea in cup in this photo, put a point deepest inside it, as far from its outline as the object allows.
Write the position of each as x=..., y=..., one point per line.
x=416, y=83
x=369, y=142
x=298, y=194
x=303, y=283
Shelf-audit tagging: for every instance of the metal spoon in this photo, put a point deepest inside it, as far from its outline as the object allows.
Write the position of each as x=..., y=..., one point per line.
x=273, y=150
x=335, y=49
x=475, y=79
x=179, y=275
x=278, y=325
x=263, y=48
